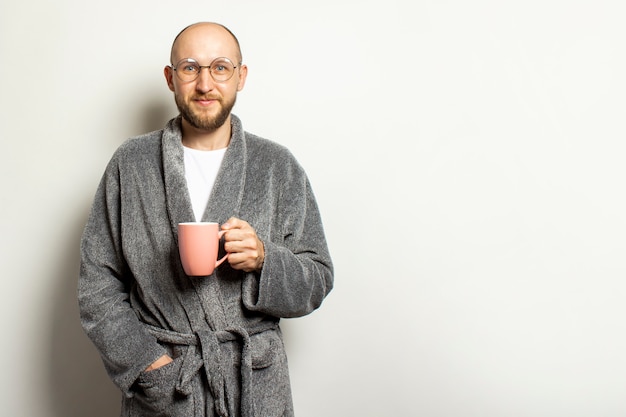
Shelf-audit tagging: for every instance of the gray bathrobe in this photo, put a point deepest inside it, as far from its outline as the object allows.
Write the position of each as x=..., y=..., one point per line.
x=137, y=304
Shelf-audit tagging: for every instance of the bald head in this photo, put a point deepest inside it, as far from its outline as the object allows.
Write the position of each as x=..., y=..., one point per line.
x=207, y=33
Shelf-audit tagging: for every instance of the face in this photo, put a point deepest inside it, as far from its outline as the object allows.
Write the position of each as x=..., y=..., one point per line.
x=204, y=103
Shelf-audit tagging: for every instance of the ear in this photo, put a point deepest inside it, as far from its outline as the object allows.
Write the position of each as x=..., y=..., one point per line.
x=169, y=74
x=243, y=74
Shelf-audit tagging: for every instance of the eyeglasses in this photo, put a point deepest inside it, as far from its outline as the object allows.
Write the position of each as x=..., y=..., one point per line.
x=188, y=69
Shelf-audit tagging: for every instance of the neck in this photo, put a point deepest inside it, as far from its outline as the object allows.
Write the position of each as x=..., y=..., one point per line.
x=206, y=140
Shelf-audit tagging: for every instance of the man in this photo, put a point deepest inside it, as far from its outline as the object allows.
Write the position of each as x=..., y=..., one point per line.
x=201, y=346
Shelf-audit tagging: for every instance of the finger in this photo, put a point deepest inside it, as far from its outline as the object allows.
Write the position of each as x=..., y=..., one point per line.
x=247, y=236
x=235, y=223
x=241, y=262
x=242, y=245
x=249, y=255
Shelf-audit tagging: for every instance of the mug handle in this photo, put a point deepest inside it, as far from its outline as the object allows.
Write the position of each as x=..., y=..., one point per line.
x=218, y=263
x=219, y=236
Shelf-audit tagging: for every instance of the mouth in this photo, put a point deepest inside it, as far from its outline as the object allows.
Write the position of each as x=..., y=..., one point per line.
x=205, y=101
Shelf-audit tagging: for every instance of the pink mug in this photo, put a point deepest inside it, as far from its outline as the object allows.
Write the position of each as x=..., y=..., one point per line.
x=198, y=243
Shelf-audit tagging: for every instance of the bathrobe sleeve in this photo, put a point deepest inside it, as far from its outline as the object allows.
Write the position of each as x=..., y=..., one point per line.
x=297, y=273
x=104, y=284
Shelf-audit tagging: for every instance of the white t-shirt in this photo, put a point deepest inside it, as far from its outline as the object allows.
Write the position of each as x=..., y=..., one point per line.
x=201, y=169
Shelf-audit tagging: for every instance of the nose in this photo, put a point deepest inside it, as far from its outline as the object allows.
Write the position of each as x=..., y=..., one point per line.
x=204, y=82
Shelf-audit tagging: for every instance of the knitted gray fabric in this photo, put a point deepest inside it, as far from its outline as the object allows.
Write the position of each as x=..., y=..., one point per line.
x=137, y=304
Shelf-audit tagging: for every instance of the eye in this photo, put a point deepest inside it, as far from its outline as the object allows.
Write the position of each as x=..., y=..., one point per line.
x=189, y=68
x=220, y=67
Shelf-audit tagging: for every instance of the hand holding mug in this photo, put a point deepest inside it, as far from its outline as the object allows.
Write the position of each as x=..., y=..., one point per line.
x=245, y=250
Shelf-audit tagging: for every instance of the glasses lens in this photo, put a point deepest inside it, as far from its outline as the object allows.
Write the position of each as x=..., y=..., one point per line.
x=187, y=70
x=222, y=69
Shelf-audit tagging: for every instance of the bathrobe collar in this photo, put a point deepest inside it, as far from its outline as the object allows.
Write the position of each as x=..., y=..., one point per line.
x=226, y=196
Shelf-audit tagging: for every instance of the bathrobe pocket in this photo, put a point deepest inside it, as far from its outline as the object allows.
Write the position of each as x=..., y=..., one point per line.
x=156, y=395
x=265, y=349
x=270, y=376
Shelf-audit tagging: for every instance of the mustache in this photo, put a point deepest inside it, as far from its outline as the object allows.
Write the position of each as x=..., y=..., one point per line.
x=207, y=97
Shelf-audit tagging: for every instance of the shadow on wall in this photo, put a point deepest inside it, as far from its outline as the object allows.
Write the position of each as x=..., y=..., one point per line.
x=79, y=385
x=156, y=115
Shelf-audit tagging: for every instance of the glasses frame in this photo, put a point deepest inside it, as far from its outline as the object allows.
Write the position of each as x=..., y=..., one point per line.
x=209, y=67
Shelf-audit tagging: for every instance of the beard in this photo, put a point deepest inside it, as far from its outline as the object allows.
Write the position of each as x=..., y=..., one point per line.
x=202, y=121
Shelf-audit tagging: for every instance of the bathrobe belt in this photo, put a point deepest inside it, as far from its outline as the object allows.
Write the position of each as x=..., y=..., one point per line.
x=204, y=350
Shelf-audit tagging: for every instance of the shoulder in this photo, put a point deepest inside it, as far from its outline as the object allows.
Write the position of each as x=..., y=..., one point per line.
x=140, y=147
x=276, y=161
x=135, y=153
x=259, y=147
x=256, y=147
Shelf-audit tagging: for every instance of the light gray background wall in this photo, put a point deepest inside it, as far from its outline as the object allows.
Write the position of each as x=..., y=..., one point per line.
x=468, y=158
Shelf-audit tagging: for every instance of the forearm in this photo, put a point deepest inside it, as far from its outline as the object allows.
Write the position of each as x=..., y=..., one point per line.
x=123, y=342
x=106, y=314
x=289, y=285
